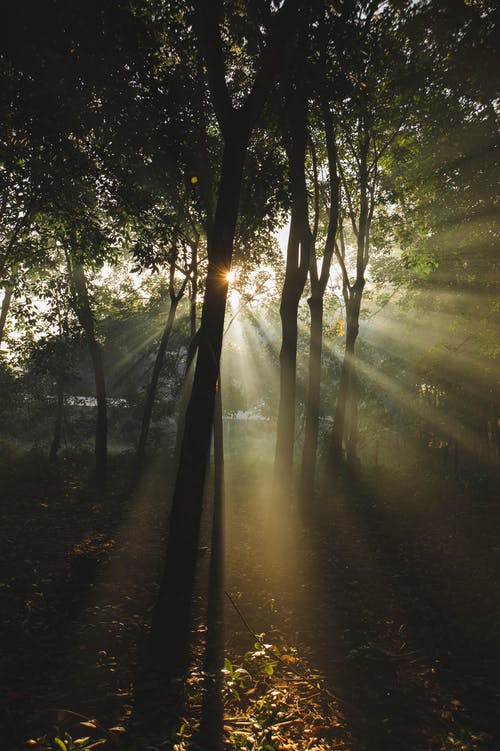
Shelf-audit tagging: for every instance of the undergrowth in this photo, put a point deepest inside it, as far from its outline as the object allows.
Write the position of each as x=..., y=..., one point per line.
x=272, y=702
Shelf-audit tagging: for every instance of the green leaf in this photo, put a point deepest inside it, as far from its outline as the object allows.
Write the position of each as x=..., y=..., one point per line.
x=269, y=668
x=61, y=744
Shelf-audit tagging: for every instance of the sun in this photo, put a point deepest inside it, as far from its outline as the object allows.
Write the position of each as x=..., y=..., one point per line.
x=230, y=276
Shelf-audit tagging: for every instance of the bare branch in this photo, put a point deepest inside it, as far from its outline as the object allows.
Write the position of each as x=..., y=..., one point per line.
x=208, y=17
x=339, y=254
x=333, y=218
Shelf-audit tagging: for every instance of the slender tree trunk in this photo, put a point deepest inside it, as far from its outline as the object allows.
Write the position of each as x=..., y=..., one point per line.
x=341, y=408
x=353, y=294
x=212, y=710
x=353, y=434
x=153, y=383
x=313, y=397
x=345, y=394
x=7, y=299
x=184, y=397
x=352, y=381
x=297, y=266
x=86, y=319
x=175, y=298
x=193, y=296
x=56, y=440
x=170, y=631
x=365, y=214
x=318, y=288
x=285, y=431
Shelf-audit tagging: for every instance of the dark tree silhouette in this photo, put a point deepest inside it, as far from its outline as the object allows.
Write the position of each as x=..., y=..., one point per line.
x=170, y=631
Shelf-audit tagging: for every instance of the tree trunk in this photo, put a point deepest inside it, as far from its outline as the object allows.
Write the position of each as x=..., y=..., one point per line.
x=336, y=453
x=353, y=293
x=170, y=628
x=153, y=383
x=7, y=299
x=170, y=631
x=184, y=396
x=285, y=430
x=212, y=710
x=318, y=288
x=56, y=440
x=297, y=266
x=352, y=440
x=346, y=396
x=193, y=295
x=354, y=309
x=313, y=397
x=86, y=320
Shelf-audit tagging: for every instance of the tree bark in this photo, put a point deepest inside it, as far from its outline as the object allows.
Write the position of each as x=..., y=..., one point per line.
x=170, y=631
x=313, y=397
x=175, y=298
x=348, y=373
x=353, y=434
x=347, y=394
x=193, y=294
x=184, y=396
x=285, y=430
x=86, y=320
x=318, y=288
x=365, y=214
x=297, y=265
x=336, y=446
x=153, y=383
x=56, y=440
x=212, y=709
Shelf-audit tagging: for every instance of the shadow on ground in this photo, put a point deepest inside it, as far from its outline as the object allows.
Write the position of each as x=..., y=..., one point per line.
x=390, y=588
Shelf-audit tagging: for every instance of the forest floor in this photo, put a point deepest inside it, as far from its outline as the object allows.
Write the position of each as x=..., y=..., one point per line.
x=369, y=623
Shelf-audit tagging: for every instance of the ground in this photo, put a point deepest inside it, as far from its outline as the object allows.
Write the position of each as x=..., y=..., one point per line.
x=368, y=621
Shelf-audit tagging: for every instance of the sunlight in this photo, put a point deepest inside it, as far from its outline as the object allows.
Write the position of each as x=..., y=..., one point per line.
x=282, y=237
x=442, y=423
x=237, y=366
x=437, y=332
x=234, y=298
x=231, y=276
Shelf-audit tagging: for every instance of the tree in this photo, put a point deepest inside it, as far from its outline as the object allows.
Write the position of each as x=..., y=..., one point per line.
x=295, y=134
x=175, y=296
x=58, y=114
x=83, y=309
x=326, y=80
x=170, y=627
x=368, y=128
x=23, y=182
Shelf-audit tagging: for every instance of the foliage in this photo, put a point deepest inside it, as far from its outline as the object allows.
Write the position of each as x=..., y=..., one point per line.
x=67, y=743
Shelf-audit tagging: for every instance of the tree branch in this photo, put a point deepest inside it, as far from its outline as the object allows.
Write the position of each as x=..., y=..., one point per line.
x=352, y=215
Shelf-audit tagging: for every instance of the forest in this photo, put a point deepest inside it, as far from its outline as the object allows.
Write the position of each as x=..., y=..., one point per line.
x=249, y=375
